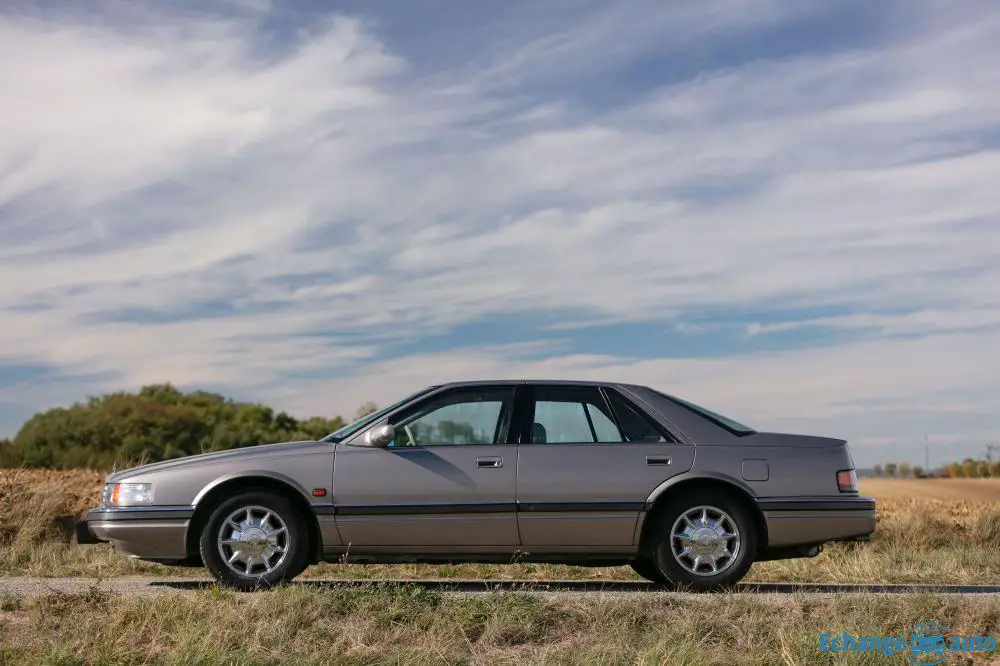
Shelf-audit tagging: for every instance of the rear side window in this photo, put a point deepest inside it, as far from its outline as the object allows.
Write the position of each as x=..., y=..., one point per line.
x=636, y=426
x=572, y=415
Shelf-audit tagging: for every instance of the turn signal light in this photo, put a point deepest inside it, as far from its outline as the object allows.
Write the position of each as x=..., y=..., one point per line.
x=127, y=494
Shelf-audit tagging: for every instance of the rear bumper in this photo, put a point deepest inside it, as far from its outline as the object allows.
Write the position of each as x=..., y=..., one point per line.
x=148, y=533
x=817, y=520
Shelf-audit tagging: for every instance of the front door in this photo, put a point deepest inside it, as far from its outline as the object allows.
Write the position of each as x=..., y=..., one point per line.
x=447, y=480
x=588, y=461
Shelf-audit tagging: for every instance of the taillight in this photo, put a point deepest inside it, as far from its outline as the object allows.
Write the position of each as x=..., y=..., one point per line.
x=847, y=481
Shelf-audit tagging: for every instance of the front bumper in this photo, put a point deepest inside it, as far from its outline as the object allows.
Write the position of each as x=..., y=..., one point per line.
x=84, y=533
x=150, y=533
x=817, y=520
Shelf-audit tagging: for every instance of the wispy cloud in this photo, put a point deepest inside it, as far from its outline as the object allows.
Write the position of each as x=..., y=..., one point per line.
x=274, y=202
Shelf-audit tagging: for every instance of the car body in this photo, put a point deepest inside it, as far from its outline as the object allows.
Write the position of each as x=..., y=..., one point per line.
x=588, y=473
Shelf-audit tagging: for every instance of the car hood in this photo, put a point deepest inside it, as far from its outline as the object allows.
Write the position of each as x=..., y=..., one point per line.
x=245, y=453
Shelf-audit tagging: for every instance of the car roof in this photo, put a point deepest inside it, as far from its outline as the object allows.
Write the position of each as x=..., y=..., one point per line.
x=560, y=382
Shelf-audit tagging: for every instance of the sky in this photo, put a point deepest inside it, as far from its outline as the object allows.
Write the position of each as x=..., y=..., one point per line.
x=788, y=212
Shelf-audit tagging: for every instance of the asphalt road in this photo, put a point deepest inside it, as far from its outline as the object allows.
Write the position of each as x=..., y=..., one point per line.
x=148, y=586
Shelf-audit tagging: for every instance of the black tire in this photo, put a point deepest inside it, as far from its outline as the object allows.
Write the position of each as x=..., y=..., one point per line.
x=646, y=568
x=295, y=540
x=669, y=566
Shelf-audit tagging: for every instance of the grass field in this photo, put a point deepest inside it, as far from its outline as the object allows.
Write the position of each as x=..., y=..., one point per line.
x=399, y=625
x=929, y=531
x=947, y=490
x=945, y=530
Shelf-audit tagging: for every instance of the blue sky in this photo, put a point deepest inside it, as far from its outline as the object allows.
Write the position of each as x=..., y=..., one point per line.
x=785, y=211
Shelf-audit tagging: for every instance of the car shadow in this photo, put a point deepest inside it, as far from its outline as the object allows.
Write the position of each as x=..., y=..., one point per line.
x=468, y=586
x=436, y=465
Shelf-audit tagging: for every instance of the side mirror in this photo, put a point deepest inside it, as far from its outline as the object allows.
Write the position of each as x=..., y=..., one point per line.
x=380, y=436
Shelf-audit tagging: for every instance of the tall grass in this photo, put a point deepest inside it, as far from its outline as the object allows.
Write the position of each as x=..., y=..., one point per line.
x=394, y=625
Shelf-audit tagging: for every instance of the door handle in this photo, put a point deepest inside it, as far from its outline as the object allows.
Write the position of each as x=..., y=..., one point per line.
x=657, y=460
x=492, y=461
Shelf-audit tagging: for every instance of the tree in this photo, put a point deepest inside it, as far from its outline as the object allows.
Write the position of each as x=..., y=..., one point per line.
x=955, y=470
x=995, y=470
x=366, y=409
x=877, y=469
x=10, y=454
x=970, y=468
x=318, y=427
x=158, y=422
x=447, y=431
x=890, y=469
x=918, y=472
x=982, y=470
x=904, y=469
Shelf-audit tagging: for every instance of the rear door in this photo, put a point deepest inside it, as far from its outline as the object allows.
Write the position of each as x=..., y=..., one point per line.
x=587, y=461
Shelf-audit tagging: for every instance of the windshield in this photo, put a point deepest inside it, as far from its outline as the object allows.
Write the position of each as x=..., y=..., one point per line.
x=352, y=428
x=732, y=426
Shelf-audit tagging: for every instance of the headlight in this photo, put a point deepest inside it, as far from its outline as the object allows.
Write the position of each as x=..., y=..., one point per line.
x=128, y=494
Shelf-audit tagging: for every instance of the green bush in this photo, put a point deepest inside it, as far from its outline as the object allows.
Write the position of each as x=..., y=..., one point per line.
x=157, y=423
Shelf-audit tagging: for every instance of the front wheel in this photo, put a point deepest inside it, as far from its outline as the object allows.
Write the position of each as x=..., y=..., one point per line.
x=253, y=540
x=704, y=541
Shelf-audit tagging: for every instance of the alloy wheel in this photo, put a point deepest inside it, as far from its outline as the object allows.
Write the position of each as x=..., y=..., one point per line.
x=253, y=541
x=705, y=540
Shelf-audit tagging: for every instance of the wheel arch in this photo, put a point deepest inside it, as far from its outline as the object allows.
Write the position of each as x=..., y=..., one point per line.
x=231, y=484
x=684, y=483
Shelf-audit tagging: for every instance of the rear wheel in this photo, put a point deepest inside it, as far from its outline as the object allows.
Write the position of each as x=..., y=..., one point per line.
x=253, y=540
x=704, y=540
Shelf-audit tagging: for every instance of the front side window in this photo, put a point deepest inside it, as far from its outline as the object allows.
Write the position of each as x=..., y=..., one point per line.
x=572, y=416
x=467, y=416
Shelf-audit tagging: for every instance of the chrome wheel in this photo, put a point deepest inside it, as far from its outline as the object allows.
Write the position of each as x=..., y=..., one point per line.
x=253, y=541
x=705, y=541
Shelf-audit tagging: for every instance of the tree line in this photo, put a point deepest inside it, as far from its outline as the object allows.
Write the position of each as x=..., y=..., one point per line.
x=969, y=468
x=158, y=422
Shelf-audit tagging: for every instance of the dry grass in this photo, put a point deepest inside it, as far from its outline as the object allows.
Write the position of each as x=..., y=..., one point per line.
x=948, y=490
x=920, y=538
x=392, y=625
x=38, y=509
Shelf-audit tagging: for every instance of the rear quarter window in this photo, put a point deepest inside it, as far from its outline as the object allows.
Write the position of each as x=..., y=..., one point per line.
x=734, y=427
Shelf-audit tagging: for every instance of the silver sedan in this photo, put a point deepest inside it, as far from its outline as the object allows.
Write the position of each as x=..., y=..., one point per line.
x=584, y=473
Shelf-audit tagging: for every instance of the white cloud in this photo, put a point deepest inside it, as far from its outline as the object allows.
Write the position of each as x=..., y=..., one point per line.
x=170, y=161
